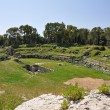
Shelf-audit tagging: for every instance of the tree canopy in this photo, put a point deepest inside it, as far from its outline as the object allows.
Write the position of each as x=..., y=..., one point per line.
x=57, y=33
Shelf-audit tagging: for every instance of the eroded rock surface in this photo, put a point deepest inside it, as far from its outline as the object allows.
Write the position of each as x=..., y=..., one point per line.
x=43, y=102
x=93, y=101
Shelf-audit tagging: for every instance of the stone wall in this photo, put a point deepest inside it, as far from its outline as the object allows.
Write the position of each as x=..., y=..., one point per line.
x=4, y=58
x=94, y=66
x=67, y=59
x=73, y=60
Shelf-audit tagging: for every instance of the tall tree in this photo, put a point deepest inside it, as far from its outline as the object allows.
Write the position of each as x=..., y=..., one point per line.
x=96, y=35
x=1, y=40
x=82, y=36
x=13, y=35
x=28, y=34
x=72, y=34
x=53, y=32
x=107, y=35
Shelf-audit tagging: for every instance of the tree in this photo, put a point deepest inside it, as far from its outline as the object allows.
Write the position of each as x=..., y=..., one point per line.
x=96, y=35
x=13, y=36
x=54, y=32
x=1, y=40
x=57, y=33
x=72, y=34
x=5, y=40
x=28, y=34
x=107, y=35
x=82, y=36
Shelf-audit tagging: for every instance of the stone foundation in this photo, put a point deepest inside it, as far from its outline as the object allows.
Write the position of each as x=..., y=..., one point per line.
x=36, y=69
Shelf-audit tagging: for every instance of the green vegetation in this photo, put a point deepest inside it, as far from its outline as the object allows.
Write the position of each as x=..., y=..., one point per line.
x=57, y=33
x=104, y=89
x=9, y=101
x=19, y=82
x=15, y=80
x=65, y=105
x=54, y=50
x=95, y=53
x=74, y=92
x=92, y=45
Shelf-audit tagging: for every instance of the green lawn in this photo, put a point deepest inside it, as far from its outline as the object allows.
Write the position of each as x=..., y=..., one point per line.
x=19, y=82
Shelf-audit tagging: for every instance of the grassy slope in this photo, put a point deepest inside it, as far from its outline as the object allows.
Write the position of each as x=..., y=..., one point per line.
x=13, y=76
x=53, y=50
x=19, y=82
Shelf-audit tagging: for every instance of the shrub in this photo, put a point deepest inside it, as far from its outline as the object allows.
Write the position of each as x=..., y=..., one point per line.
x=86, y=53
x=97, y=53
x=104, y=89
x=30, y=45
x=65, y=105
x=102, y=48
x=74, y=92
x=10, y=50
x=63, y=50
x=108, y=47
x=54, y=47
x=75, y=44
x=76, y=51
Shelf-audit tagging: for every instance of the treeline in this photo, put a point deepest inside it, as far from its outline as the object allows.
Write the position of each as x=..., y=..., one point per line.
x=57, y=33
x=70, y=35
x=25, y=34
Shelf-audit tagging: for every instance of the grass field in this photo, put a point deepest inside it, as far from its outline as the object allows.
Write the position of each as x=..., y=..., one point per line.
x=18, y=82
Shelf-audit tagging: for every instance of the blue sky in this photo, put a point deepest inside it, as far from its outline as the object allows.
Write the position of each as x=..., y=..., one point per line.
x=80, y=13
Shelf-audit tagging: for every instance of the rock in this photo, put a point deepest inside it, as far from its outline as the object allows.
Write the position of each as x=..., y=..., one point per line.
x=107, y=55
x=43, y=102
x=93, y=101
x=36, y=69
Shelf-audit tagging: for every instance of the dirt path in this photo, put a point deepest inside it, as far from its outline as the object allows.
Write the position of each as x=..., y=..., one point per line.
x=87, y=83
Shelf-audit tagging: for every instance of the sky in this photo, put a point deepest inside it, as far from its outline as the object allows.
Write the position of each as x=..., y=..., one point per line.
x=37, y=13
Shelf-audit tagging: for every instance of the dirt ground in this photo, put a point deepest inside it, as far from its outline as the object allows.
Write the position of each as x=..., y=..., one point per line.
x=87, y=83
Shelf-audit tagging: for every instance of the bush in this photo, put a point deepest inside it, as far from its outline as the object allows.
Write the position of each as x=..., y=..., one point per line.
x=75, y=44
x=30, y=45
x=76, y=51
x=104, y=89
x=65, y=105
x=10, y=50
x=108, y=47
x=74, y=92
x=102, y=48
x=86, y=53
x=63, y=50
x=97, y=53
x=96, y=48
x=54, y=47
